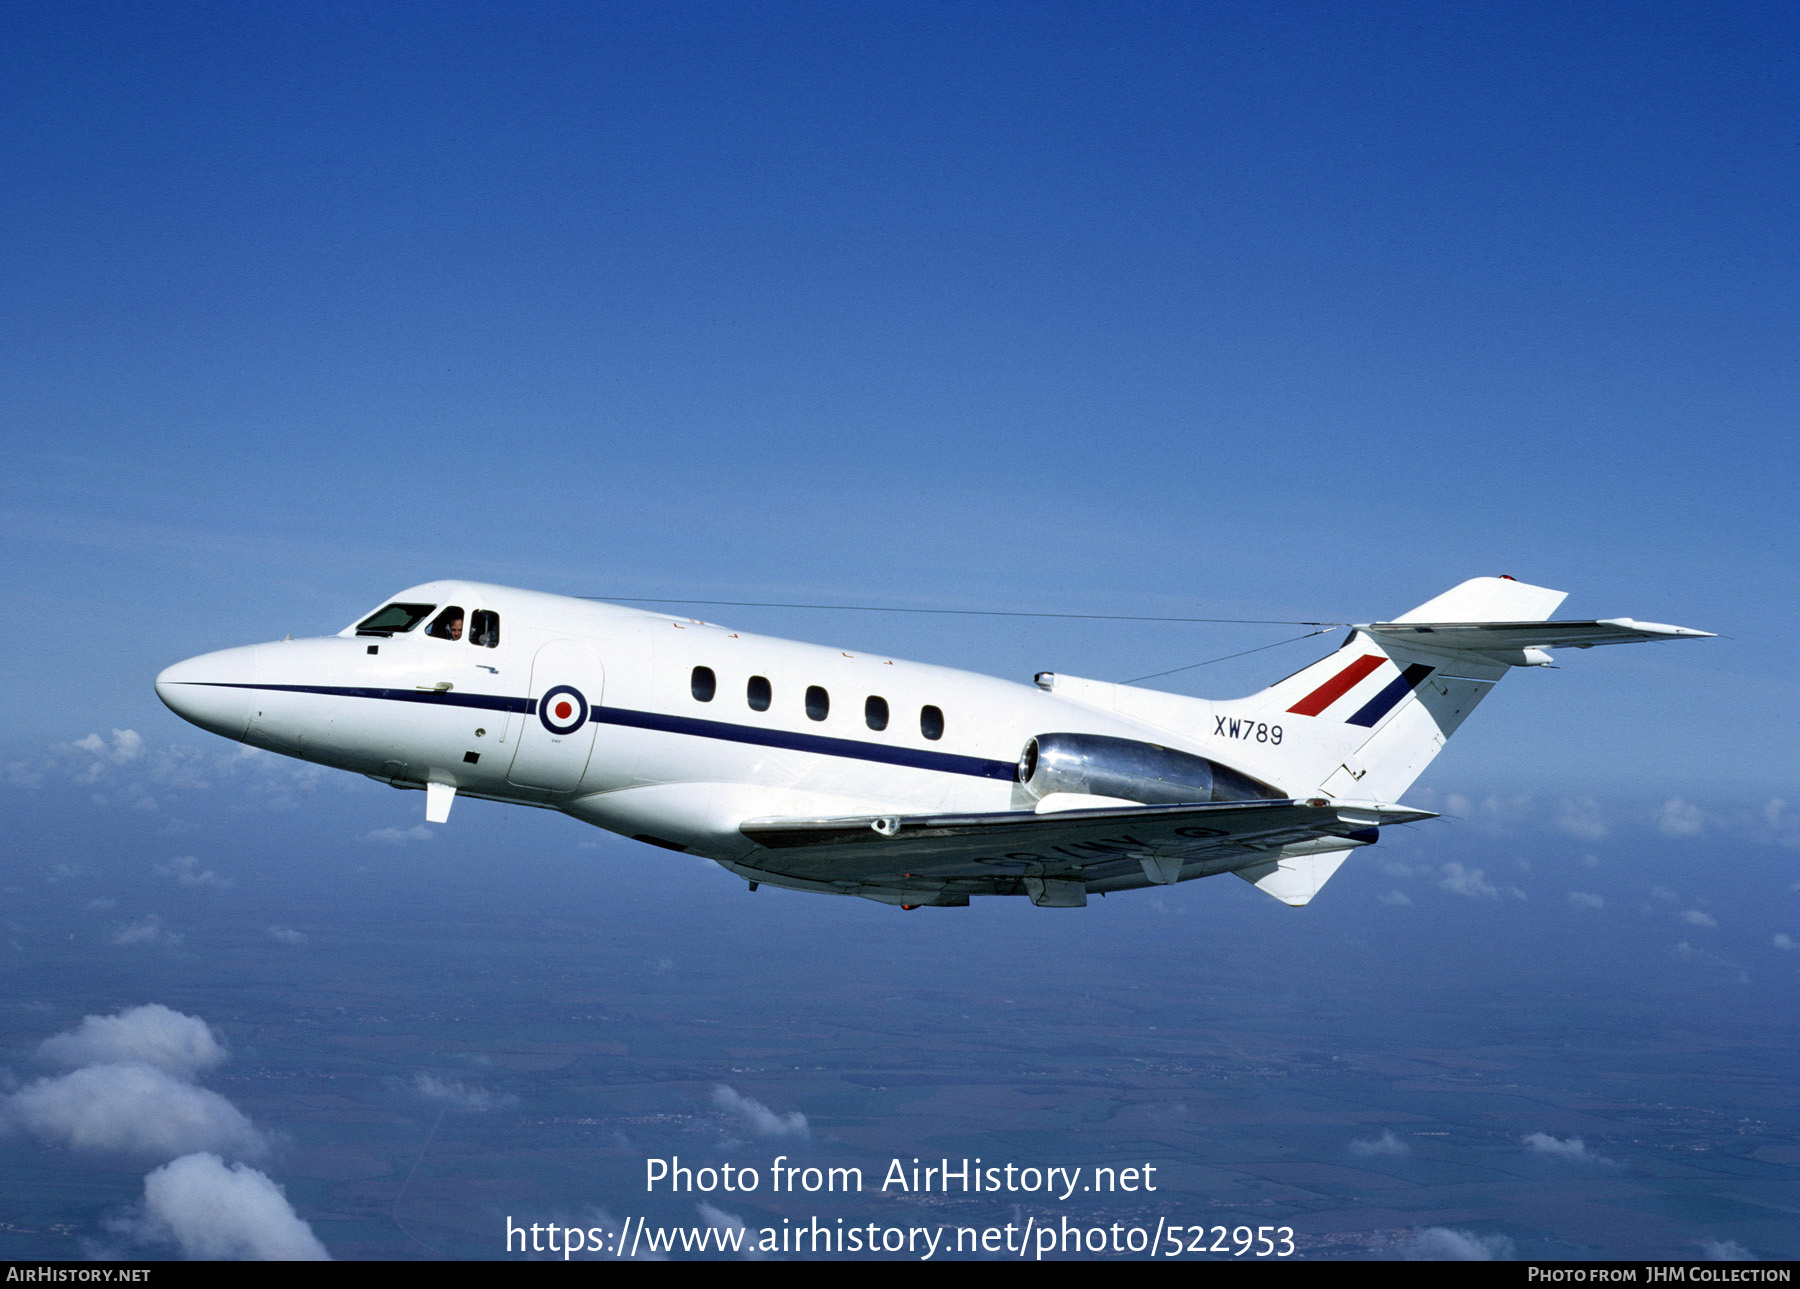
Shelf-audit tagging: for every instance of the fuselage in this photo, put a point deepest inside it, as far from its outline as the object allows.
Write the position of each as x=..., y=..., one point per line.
x=669, y=730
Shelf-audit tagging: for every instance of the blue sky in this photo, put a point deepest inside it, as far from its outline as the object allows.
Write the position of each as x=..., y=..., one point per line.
x=1297, y=313
x=1306, y=312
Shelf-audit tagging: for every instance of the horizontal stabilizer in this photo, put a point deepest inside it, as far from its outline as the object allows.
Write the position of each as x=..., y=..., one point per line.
x=1508, y=642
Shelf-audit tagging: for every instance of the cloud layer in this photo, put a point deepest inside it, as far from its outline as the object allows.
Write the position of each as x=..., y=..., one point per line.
x=186, y=870
x=213, y=1212
x=757, y=1117
x=1442, y=1244
x=132, y=1109
x=1386, y=1144
x=148, y=929
x=153, y=1035
x=462, y=1096
x=132, y=1092
x=1574, y=1149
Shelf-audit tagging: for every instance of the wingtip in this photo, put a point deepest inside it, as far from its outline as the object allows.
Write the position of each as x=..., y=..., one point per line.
x=1659, y=628
x=1374, y=813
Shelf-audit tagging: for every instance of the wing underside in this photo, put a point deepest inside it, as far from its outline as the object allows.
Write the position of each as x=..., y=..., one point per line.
x=1057, y=858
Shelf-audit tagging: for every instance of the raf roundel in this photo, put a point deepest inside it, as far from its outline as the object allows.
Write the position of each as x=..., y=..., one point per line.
x=563, y=710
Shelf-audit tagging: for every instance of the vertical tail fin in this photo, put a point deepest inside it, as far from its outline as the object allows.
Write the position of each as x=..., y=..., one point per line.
x=1363, y=723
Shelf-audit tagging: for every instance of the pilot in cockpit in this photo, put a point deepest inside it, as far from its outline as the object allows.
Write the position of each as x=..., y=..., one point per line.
x=449, y=625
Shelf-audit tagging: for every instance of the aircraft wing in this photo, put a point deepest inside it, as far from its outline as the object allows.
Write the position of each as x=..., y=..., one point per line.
x=945, y=858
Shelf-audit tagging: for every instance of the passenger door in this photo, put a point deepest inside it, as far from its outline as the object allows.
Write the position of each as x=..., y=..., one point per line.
x=557, y=738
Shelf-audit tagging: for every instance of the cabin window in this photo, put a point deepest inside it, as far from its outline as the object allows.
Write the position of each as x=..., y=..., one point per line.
x=818, y=703
x=393, y=619
x=758, y=694
x=703, y=684
x=931, y=722
x=484, y=628
x=875, y=712
x=447, y=625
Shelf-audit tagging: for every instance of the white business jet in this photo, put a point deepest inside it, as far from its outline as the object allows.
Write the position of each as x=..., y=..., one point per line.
x=816, y=769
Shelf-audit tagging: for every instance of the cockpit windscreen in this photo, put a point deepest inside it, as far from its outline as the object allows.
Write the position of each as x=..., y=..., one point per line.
x=393, y=619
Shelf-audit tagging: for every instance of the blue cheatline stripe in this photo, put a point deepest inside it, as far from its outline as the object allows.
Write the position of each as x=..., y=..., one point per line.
x=1398, y=688
x=487, y=702
x=913, y=758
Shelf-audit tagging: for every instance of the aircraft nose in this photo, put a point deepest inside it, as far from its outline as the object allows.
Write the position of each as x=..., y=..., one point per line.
x=212, y=691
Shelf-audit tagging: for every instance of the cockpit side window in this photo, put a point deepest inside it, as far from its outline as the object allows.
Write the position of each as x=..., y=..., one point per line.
x=448, y=625
x=393, y=619
x=484, y=628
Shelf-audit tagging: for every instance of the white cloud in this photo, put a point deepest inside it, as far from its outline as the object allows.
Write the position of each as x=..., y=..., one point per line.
x=1663, y=893
x=1583, y=819
x=148, y=929
x=761, y=1120
x=123, y=763
x=1510, y=810
x=213, y=1213
x=1694, y=917
x=286, y=934
x=1467, y=881
x=132, y=1108
x=462, y=1096
x=1783, y=942
x=399, y=836
x=125, y=770
x=1457, y=804
x=1574, y=1149
x=1677, y=818
x=1386, y=1144
x=1725, y=1251
x=1399, y=899
x=1441, y=1244
x=131, y=1095
x=1688, y=953
x=126, y=746
x=152, y=1035
x=1583, y=900
x=186, y=870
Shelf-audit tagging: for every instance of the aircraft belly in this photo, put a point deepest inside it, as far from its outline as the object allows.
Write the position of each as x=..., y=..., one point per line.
x=701, y=818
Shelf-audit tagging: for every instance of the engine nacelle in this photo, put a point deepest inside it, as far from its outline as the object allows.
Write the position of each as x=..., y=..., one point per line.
x=1096, y=765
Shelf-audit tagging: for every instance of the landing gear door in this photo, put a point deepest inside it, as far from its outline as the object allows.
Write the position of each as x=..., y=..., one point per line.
x=558, y=734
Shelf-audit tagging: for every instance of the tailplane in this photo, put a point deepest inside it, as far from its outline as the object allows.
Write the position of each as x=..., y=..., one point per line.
x=1363, y=723
x=1360, y=725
